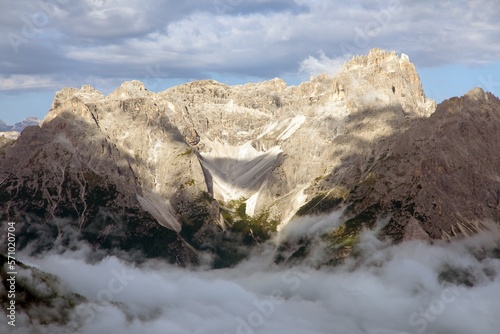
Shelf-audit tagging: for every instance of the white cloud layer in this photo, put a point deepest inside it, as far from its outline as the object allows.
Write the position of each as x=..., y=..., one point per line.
x=387, y=289
x=26, y=82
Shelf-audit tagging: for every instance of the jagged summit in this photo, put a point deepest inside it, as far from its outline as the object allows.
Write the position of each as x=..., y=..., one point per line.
x=173, y=170
x=386, y=77
x=477, y=94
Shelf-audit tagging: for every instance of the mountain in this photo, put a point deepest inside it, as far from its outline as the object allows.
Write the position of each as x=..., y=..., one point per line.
x=441, y=176
x=20, y=126
x=4, y=126
x=30, y=121
x=205, y=169
x=12, y=131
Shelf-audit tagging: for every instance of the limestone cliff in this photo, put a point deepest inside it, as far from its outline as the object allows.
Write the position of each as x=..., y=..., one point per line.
x=443, y=172
x=204, y=165
x=269, y=143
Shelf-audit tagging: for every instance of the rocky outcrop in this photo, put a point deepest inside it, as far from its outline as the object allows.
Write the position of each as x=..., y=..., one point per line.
x=442, y=173
x=114, y=167
x=206, y=167
x=288, y=138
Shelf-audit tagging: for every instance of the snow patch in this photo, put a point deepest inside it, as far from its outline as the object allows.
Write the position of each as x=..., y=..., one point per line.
x=238, y=171
x=298, y=199
x=242, y=133
x=160, y=209
x=268, y=129
x=292, y=127
x=287, y=127
x=230, y=106
x=171, y=107
x=251, y=203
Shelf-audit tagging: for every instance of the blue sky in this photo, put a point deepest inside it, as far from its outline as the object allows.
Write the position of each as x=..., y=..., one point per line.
x=50, y=44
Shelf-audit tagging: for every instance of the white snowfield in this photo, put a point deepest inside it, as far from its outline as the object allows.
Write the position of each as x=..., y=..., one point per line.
x=287, y=128
x=238, y=171
x=242, y=171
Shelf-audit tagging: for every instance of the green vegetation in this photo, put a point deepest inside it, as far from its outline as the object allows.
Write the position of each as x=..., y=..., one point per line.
x=241, y=210
x=231, y=245
x=194, y=218
x=324, y=203
x=188, y=151
x=228, y=256
x=344, y=238
x=205, y=197
x=37, y=290
x=254, y=229
x=189, y=182
x=243, y=231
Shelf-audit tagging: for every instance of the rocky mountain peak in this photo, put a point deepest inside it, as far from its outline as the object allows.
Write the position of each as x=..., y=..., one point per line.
x=204, y=157
x=427, y=177
x=477, y=94
x=385, y=78
x=131, y=89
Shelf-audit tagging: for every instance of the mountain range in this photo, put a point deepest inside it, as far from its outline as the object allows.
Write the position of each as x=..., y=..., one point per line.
x=20, y=126
x=209, y=171
x=261, y=207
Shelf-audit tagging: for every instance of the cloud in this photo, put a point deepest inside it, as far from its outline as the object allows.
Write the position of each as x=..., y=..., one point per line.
x=314, y=66
x=407, y=288
x=238, y=38
x=26, y=82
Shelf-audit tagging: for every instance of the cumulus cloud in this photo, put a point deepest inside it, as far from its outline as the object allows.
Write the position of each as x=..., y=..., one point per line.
x=322, y=64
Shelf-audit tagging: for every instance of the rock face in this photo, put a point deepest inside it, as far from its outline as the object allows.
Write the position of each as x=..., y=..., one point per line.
x=442, y=172
x=114, y=167
x=204, y=165
x=284, y=138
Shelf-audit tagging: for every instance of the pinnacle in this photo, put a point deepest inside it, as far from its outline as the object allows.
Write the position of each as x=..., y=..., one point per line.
x=476, y=93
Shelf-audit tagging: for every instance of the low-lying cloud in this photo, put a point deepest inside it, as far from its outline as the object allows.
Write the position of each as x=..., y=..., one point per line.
x=408, y=288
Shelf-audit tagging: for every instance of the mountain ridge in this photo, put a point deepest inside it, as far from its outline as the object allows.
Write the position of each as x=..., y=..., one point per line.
x=206, y=168
x=19, y=126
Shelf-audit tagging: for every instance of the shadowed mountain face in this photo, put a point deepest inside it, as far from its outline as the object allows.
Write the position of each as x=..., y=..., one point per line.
x=440, y=179
x=205, y=168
